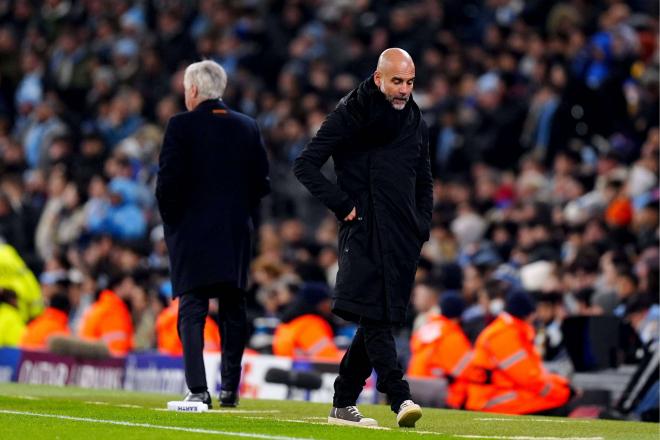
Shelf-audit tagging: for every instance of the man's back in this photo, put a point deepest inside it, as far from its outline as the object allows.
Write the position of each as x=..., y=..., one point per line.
x=218, y=147
x=213, y=172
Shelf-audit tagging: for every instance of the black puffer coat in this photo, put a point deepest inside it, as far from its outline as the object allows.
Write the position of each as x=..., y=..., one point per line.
x=382, y=164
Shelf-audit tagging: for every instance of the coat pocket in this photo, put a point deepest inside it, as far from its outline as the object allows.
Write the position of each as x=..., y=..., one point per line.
x=346, y=233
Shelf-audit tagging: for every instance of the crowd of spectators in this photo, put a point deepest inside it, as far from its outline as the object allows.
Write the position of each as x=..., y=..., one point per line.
x=544, y=145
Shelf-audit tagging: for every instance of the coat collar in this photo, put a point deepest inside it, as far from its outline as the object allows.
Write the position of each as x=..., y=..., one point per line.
x=211, y=104
x=367, y=104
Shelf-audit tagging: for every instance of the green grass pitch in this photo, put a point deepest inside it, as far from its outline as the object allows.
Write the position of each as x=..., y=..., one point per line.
x=40, y=412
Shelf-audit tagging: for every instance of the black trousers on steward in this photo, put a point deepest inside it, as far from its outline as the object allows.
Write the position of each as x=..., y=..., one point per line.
x=193, y=308
x=372, y=347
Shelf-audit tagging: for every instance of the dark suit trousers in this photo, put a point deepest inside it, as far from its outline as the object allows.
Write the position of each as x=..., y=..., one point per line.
x=193, y=308
x=372, y=347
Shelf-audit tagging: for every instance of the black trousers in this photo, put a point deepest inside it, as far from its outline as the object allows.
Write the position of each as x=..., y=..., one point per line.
x=193, y=308
x=372, y=347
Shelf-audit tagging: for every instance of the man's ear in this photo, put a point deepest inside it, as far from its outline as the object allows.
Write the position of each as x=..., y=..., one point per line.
x=194, y=91
x=378, y=78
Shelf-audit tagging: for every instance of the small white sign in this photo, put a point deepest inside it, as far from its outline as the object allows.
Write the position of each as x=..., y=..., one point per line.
x=189, y=407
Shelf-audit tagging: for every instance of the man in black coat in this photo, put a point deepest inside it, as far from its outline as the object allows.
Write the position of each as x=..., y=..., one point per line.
x=383, y=198
x=213, y=173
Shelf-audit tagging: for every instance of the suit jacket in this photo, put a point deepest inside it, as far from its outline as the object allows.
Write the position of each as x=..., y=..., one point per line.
x=213, y=171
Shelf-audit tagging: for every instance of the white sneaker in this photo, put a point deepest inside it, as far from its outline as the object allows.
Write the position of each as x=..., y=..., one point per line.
x=349, y=415
x=409, y=413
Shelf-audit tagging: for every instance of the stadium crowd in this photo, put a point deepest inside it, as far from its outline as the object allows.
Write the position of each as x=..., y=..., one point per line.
x=544, y=143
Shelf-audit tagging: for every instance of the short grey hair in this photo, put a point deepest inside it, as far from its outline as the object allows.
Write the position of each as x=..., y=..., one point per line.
x=209, y=77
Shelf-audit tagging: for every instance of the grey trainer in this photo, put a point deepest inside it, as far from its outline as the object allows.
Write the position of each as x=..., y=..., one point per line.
x=409, y=413
x=349, y=415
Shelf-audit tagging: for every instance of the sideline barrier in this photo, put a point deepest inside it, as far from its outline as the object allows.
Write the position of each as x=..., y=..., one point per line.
x=49, y=369
x=157, y=373
x=153, y=372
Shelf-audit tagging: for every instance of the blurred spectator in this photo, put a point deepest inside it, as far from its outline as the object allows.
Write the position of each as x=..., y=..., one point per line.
x=549, y=314
x=167, y=334
x=52, y=322
x=626, y=287
x=109, y=320
x=440, y=349
x=644, y=316
x=89, y=163
x=12, y=326
x=42, y=128
x=116, y=212
x=11, y=227
x=15, y=276
x=304, y=333
x=29, y=92
x=425, y=301
x=514, y=380
x=62, y=221
x=144, y=320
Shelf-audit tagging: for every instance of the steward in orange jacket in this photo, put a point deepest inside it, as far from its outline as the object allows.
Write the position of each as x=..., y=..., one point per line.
x=109, y=320
x=513, y=379
x=53, y=321
x=167, y=335
x=441, y=349
x=308, y=336
x=303, y=333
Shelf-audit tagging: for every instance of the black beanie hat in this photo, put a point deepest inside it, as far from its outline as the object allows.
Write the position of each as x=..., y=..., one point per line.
x=451, y=305
x=520, y=304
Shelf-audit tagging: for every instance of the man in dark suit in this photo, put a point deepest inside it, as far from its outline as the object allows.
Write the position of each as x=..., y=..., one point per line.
x=383, y=198
x=212, y=174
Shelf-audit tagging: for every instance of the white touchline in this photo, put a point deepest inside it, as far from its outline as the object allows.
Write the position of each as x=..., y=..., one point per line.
x=148, y=425
x=309, y=422
x=245, y=411
x=524, y=437
x=494, y=419
x=232, y=411
x=503, y=437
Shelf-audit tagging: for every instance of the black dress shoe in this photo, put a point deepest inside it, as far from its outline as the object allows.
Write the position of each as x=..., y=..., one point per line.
x=228, y=398
x=203, y=397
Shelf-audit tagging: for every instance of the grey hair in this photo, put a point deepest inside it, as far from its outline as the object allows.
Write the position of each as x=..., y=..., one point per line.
x=209, y=77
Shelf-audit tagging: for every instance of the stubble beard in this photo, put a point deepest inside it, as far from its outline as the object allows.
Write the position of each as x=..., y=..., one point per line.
x=397, y=104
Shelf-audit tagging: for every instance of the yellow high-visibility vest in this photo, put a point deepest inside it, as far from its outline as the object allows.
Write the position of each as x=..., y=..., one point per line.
x=16, y=276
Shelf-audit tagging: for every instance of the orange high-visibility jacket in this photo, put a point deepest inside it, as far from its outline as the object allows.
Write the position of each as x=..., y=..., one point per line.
x=440, y=349
x=50, y=323
x=109, y=320
x=167, y=336
x=308, y=336
x=514, y=380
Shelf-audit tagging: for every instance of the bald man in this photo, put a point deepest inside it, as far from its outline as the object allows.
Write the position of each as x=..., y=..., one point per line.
x=383, y=201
